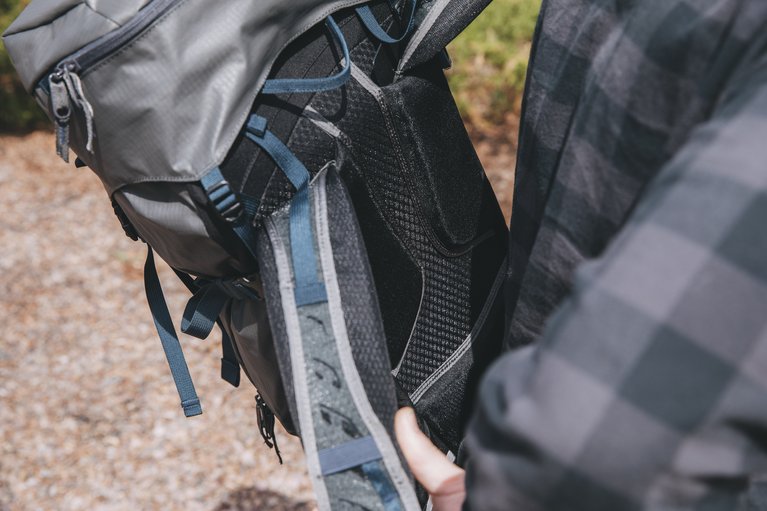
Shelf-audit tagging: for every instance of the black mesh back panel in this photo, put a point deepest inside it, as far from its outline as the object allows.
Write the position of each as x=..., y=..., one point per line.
x=434, y=235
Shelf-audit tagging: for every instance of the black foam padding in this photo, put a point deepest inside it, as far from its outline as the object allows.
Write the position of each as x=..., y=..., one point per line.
x=360, y=303
x=313, y=54
x=271, y=285
x=397, y=274
x=448, y=404
x=456, y=16
x=443, y=169
x=433, y=233
x=454, y=289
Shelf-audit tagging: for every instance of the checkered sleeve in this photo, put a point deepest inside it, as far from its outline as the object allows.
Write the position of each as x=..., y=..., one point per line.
x=648, y=388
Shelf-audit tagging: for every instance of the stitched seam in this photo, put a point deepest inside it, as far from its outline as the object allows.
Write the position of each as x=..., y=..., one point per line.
x=101, y=14
x=467, y=343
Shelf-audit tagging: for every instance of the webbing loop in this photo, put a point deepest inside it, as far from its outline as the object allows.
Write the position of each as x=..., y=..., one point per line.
x=230, y=366
x=371, y=23
x=203, y=309
x=291, y=85
x=309, y=288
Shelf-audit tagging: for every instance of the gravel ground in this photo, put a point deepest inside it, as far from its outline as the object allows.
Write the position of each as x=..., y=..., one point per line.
x=89, y=416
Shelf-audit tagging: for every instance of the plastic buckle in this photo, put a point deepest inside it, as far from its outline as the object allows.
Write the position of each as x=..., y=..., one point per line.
x=128, y=228
x=225, y=202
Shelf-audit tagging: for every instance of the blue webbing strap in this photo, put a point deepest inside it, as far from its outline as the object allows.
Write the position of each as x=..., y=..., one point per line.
x=383, y=485
x=230, y=366
x=361, y=452
x=224, y=200
x=170, y=344
x=203, y=309
x=309, y=288
x=348, y=455
x=371, y=23
x=291, y=85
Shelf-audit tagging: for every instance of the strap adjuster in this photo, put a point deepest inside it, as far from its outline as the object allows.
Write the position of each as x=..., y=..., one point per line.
x=224, y=200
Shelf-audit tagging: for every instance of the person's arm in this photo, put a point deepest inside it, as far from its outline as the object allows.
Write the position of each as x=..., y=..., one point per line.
x=648, y=388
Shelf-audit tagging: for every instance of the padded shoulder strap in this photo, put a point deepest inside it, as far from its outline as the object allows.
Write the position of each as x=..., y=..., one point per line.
x=438, y=23
x=344, y=409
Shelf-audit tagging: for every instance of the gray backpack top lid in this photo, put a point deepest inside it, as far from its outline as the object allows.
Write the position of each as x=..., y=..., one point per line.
x=130, y=63
x=203, y=63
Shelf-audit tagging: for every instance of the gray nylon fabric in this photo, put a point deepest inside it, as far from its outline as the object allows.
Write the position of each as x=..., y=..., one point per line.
x=203, y=65
x=177, y=230
x=49, y=30
x=248, y=324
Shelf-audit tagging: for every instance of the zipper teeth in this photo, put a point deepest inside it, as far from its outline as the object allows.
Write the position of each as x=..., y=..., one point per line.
x=92, y=53
x=95, y=51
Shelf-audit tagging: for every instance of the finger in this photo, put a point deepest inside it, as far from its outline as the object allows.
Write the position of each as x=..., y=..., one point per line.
x=428, y=464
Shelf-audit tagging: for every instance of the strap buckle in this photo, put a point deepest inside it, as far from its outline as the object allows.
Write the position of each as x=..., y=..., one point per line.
x=225, y=202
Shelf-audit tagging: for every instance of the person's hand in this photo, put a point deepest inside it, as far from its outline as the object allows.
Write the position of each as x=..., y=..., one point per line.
x=443, y=480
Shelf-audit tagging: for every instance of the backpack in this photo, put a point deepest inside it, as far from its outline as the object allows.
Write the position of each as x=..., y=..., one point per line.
x=303, y=168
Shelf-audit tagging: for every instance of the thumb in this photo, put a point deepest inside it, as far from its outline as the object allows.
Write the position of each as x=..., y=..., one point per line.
x=429, y=465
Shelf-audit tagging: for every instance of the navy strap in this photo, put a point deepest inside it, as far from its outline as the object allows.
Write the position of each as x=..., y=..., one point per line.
x=348, y=455
x=309, y=288
x=361, y=452
x=226, y=203
x=230, y=366
x=203, y=309
x=291, y=85
x=170, y=343
x=383, y=485
x=371, y=23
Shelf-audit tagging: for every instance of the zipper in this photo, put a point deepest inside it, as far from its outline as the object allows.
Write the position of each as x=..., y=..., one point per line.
x=67, y=90
x=64, y=82
x=79, y=63
x=62, y=111
x=266, y=423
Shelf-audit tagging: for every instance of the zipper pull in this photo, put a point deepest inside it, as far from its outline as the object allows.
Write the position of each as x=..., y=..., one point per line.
x=62, y=110
x=266, y=422
x=75, y=88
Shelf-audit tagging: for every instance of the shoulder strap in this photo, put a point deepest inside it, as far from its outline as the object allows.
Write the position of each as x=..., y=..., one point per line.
x=294, y=85
x=437, y=23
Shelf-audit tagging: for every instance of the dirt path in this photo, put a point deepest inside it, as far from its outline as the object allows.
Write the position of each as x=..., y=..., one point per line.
x=89, y=417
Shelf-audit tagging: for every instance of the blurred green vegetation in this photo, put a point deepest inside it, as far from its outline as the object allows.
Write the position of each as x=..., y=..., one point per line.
x=488, y=75
x=490, y=63
x=18, y=110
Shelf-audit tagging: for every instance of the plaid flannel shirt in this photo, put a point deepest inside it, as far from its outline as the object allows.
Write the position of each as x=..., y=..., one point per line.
x=637, y=286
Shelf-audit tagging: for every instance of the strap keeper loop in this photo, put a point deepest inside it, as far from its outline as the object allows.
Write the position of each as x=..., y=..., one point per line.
x=191, y=407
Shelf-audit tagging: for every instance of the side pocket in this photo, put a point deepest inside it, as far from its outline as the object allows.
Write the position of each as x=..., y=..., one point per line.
x=444, y=172
x=183, y=231
x=248, y=324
